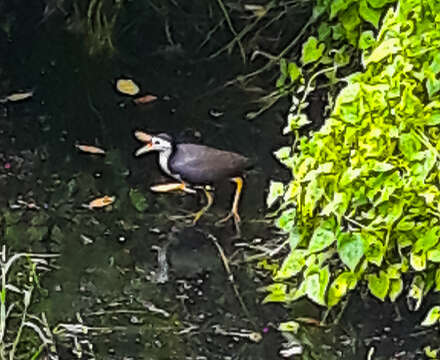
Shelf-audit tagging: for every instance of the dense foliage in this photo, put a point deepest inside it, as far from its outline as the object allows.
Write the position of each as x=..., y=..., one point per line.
x=364, y=200
x=340, y=31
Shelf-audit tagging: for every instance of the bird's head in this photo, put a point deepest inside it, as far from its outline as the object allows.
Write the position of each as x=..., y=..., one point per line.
x=160, y=142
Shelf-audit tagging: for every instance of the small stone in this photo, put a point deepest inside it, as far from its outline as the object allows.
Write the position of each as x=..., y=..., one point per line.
x=216, y=113
x=135, y=320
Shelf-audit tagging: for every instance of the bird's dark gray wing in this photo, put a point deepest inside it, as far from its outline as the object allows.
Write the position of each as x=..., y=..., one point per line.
x=199, y=164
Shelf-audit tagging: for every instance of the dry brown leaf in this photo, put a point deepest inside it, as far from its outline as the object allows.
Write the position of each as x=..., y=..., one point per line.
x=90, y=149
x=18, y=96
x=101, y=202
x=308, y=321
x=145, y=99
x=166, y=187
x=141, y=136
x=127, y=87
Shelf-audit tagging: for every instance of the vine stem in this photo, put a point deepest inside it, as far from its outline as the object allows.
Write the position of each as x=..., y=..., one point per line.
x=271, y=62
x=244, y=31
x=313, y=77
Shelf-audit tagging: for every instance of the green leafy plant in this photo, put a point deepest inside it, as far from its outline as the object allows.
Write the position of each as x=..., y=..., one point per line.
x=363, y=205
x=138, y=200
x=22, y=333
x=97, y=20
x=345, y=28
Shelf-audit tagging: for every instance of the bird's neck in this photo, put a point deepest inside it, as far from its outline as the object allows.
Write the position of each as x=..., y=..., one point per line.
x=164, y=157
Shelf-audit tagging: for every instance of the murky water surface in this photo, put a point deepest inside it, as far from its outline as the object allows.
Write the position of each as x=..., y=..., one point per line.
x=148, y=286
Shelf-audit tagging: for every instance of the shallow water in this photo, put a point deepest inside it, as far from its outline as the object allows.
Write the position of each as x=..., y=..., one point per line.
x=108, y=269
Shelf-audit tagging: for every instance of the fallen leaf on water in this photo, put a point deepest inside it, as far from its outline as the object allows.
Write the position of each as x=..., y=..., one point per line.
x=258, y=10
x=90, y=149
x=309, y=321
x=18, y=96
x=145, y=99
x=101, y=202
x=172, y=187
x=166, y=187
x=141, y=136
x=127, y=86
x=86, y=240
x=28, y=205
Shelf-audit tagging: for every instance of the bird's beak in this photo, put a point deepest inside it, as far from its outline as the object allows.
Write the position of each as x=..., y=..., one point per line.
x=141, y=136
x=144, y=149
x=146, y=138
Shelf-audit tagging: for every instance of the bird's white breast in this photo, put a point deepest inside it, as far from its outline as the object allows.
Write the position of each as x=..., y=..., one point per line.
x=163, y=162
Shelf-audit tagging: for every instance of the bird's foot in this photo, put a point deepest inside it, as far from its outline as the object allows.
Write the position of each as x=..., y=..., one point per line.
x=237, y=221
x=229, y=216
x=197, y=215
x=189, y=218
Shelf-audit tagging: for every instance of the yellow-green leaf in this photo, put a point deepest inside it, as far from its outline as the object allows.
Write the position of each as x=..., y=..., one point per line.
x=277, y=293
x=379, y=285
x=369, y=14
x=396, y=287
x=289, y=326
x=340, y=286
x=432, y=317
x=292, y=264
x=386, y=48
x=350, y=249
x=276, y=190
x=127, y=86
x=321, y=239
x=418, y=261
x=311, y=51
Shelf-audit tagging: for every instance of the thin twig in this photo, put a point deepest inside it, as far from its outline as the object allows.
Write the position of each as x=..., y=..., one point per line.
x=210, y=33
x=354, y=222
x=272, y=62
x=238, y=37
x=231, y=27
x=278, y=249
x=309, y=83
x=230, y=275
x=168, y=32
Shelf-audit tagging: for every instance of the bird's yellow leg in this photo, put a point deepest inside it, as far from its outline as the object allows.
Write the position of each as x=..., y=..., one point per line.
x=210, y=200
x=234, y=210
x=195, y=216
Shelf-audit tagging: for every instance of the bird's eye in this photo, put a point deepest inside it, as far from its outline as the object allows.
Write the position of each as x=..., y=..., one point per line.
x=156, y=142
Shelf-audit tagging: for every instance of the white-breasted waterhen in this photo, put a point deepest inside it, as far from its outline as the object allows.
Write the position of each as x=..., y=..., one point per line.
x=197, y=166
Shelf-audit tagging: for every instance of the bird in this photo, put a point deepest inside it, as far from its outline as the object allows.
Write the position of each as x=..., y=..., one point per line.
x=197, y=166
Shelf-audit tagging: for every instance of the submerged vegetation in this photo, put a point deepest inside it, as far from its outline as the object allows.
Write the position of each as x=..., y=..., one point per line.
x=23, y=334
x=363, y=204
